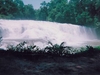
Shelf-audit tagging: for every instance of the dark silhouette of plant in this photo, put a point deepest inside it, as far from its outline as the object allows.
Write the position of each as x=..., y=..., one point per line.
x=56, y=49
x=21, y=48
x=51, y=50
x=91, y=50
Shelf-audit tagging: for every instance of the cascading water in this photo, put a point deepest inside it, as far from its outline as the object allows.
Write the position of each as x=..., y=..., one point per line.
x=40, y=32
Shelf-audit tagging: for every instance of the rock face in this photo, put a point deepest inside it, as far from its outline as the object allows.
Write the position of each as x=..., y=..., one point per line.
x=15, y=65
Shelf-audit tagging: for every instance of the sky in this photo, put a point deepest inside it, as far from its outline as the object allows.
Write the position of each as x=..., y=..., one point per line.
x=35, y=3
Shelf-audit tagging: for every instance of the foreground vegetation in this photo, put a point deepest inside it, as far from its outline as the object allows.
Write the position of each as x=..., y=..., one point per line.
x=18, y=63
x=23, y=49
x=52, y=60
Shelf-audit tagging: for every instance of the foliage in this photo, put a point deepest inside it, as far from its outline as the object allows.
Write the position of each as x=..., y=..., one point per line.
x=57, y=49
x=97, y=47
x=52, y=50
x=15, y=9
x=23, y=48
x=83, y=12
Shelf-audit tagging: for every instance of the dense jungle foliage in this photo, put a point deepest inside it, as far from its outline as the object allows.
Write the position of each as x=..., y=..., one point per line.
x=82, y=12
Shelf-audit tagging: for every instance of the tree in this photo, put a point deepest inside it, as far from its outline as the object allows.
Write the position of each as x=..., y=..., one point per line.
x=43, y=12
x=29, y=12
x=15, y=9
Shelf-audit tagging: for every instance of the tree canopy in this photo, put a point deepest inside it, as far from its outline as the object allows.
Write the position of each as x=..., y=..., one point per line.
x=15, y=9
x=82, y=12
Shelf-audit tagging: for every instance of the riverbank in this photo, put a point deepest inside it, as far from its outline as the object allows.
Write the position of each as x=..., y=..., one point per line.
x=13, y=64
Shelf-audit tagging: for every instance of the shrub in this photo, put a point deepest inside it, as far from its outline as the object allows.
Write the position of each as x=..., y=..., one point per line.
x=23, y=48
x=52, y=50
x=56, y=49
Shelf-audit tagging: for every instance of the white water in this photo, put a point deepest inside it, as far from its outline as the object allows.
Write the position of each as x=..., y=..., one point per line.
x=40, y=32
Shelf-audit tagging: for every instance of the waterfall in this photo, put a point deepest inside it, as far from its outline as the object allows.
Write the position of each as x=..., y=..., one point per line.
x=40, y=32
